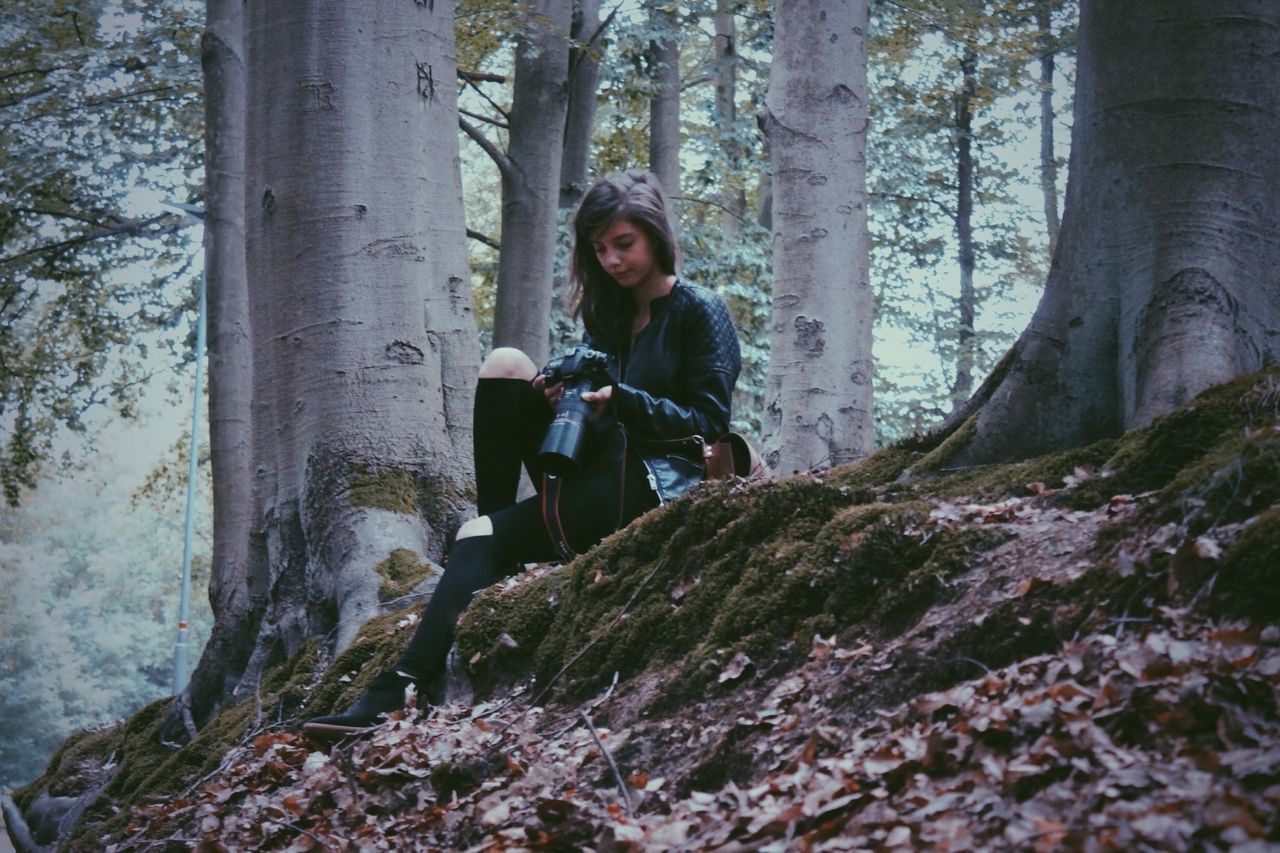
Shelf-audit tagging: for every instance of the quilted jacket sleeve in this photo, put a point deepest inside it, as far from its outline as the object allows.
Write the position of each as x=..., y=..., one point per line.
x=707, y=366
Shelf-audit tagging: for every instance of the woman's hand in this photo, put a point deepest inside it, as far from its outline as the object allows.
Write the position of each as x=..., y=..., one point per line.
x=553, y=393
x=599, y=400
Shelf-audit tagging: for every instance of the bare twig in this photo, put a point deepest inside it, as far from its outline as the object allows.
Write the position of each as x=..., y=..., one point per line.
x=622, y=784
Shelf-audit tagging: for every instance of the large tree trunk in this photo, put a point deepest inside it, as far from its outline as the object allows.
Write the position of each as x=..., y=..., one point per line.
x=664, y=104
x=819, y=387
x=230, y=348
x=966, y=303
x=531, y=181
x=364, y=342
x=1165, y=279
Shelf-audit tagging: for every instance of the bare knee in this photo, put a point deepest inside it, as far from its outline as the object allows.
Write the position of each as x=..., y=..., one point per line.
x=481, y=526
x=508, y=363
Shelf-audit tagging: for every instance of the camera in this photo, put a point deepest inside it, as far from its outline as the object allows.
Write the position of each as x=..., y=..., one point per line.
x=581, y=369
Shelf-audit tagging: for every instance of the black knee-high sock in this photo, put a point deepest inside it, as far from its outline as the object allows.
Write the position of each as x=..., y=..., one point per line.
x=498, y=442
x=472, y=566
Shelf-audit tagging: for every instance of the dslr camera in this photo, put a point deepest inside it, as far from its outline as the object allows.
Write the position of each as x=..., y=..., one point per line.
x=581, y=369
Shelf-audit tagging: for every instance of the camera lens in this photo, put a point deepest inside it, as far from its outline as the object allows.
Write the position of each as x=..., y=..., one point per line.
x=563, y=441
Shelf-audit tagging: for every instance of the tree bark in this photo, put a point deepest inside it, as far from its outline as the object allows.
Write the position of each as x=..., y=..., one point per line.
x=818, y=404
x=664, y=104
x=584, y=82
x=531, y=181
x=1048, y=157
x=966, y=303
x=726, y=114
x=364, y=342
x=230, y=348
x=1164, y=282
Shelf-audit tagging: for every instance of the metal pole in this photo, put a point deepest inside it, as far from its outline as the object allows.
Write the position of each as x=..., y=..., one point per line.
x=180, y=671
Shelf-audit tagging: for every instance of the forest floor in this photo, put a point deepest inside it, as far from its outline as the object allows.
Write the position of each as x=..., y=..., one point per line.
x=1078, y=651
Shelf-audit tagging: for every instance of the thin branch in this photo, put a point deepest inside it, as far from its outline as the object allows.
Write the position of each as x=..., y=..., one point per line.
x=496, y=106
x=484, y=238
x=480, y=77
x=486, y=119
x=134, y=228
x=918, y=199
x=713, y=203
x=591, y=42
x=63, y=214
x=495, y=153
x=28, y=96
x=124, y=96
x=622, y=785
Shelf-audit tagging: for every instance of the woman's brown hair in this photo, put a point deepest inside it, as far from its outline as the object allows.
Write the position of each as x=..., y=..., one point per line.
x=605, y=308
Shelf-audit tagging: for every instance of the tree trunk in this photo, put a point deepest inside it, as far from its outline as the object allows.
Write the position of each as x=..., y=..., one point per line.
x=584, y=82
x=664, y=104
x=726, y=115
x=819, y=385
x=364, y=342
x=531, y=181
x=1164, y=282
x=966, y=303
x=1048, y=159
x=230, y=347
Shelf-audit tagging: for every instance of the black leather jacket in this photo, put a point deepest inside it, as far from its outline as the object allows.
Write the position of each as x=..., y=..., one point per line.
x=674, y=388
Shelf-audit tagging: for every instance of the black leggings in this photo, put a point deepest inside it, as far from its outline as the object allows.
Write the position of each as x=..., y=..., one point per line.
x=609, y=491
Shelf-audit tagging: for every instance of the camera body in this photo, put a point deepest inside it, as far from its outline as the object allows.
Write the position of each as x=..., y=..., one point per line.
x=581, y=369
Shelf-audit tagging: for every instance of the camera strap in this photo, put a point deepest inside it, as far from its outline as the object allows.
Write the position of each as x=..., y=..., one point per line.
x=552, y=486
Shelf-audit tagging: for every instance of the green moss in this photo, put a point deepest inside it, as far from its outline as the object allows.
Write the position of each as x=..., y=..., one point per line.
x=1248, y=581
x=1152, y=457
x=497, y=618
x=1239, y=477
x=951, y=447
x=383, y=488
x=401, y=572
x=376, y=648
x=755, y=571
x=878, y=469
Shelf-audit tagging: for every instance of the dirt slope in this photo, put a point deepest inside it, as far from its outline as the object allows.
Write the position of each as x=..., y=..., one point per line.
x=1081, y=650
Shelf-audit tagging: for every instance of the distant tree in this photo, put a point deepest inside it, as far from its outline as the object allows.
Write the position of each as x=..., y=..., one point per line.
x=1164, y=281
x=230, y=338
x=530, y=171
x=94, y=106
x=819, y=400
x=361, y=320
x=664, y=100
x=951, y=94
x=587, y=35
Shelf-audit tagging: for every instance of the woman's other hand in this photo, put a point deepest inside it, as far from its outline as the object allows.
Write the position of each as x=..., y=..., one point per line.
x=553, y=393
x=598, y=399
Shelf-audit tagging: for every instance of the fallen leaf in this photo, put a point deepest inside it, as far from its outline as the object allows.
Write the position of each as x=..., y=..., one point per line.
x=735, y=668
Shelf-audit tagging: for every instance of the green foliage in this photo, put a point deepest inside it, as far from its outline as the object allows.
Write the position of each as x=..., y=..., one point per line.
x=88, y=609
x=916, y=83
x=101, y=120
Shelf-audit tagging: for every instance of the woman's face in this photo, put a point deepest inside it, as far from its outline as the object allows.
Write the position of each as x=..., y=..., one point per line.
x=626, y=254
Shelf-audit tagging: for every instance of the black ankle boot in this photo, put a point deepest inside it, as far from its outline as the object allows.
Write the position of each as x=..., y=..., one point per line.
x=383, y=695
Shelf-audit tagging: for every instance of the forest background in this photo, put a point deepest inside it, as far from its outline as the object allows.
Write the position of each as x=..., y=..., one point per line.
x=103, y=120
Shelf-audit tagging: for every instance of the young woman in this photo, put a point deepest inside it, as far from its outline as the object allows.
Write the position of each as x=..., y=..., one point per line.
x=672, y=363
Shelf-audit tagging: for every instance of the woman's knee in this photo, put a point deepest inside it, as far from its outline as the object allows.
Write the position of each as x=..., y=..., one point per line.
x=508, y=363
x=481, y=526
